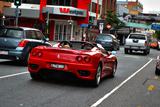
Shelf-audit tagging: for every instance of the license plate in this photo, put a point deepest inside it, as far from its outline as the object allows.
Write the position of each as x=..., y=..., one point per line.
x=3, y=52
x=134, y=47
x=57, y=65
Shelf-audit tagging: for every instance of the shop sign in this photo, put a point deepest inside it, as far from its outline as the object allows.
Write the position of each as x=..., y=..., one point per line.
x=69, y=11
x=155, y=26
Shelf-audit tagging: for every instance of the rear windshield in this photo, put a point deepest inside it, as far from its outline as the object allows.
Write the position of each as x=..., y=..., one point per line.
x=14, y=33
x=137, y=36
x=104, y=37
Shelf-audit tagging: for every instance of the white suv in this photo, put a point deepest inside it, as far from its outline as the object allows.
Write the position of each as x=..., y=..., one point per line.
x=137, y=42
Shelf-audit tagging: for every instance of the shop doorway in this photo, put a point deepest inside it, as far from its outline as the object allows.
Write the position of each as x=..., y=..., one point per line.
x=62, y=31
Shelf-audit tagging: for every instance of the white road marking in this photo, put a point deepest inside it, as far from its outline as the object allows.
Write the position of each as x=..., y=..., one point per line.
x=12, y=75
x=119, y=86
x=157, y=57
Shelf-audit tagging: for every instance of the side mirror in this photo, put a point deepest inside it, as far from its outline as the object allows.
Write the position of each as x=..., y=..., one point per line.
x=113, y=52
x=45, y=39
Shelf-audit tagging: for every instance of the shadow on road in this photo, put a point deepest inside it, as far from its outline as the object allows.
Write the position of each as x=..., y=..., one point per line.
x=12, y=63
x=67, y=80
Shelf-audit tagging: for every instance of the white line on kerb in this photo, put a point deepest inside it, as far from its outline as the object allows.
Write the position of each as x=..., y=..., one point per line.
x=119, y=86
x=7, y=76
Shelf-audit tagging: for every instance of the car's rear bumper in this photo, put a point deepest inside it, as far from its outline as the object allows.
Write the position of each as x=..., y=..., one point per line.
x=81, y=71
x=13, y=54
x=140, y=48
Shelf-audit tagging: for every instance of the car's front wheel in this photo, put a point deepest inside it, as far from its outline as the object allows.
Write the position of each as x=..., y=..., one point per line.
x=97, y=79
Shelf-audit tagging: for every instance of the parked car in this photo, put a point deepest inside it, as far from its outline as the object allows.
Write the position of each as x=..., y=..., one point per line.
x=84, y=60
x=157, y=71
x=108, y=41
x=154, y=44
x=17, y=42
x=137, y=42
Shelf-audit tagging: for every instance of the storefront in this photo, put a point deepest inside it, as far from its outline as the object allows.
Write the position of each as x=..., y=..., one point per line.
x=61, y=22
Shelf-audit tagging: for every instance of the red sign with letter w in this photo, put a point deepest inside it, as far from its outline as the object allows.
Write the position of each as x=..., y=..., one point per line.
x=64, y=10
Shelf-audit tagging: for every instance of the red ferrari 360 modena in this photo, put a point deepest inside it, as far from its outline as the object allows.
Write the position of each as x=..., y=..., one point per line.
x=85, y=60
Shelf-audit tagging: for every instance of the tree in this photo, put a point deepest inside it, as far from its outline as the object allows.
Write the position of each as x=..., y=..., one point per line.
x=156, y=35
x=113, y=20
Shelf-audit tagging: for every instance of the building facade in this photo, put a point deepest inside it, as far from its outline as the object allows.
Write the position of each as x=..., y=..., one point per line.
x=135, y=8
x=108, y=5
x=2, y=5
x=63, y=19
x=122, y=8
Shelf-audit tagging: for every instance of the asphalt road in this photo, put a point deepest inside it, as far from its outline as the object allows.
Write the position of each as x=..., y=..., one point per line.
x=134, y=85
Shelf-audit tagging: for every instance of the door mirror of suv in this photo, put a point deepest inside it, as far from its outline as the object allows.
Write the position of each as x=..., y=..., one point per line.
x=45, y=39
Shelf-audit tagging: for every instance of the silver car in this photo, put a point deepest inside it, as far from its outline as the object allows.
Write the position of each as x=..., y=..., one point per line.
x=17, y=42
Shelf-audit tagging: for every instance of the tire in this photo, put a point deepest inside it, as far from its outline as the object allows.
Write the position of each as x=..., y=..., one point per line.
x=145, y=52
x=25, y=62
x=97, y=79
x=126, y=51
x=157, y=72
x=35, y=76
x=148, y=51
x=114, y=70
x=118, y=48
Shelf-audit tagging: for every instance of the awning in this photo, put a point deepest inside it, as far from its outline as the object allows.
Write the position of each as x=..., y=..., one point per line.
x=138, y=25
x=32, y=10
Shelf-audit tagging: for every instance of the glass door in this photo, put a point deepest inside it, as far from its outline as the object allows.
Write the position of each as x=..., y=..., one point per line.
x=62, y=31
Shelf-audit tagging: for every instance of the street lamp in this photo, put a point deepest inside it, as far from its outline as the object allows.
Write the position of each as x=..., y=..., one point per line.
x=3, y=19
x=70, y=21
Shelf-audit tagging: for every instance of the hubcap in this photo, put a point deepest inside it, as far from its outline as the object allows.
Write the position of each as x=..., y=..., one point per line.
x=98, y=76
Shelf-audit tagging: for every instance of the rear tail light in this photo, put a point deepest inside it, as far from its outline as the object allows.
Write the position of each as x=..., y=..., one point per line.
x=36, y=53
x=23, y=43
x=85, y=59
x=39, y=54
x=145, y=44
x=79, y=58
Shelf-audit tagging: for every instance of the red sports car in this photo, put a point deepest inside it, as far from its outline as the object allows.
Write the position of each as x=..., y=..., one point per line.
x=85, y=60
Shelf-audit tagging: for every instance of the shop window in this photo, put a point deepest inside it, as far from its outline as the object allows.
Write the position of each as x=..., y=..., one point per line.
x=31, y=1
x=94, y=7
x=60, y=2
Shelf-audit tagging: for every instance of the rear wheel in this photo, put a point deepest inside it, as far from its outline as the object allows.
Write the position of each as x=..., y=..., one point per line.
x=113, y=70
x=35, y=76
x=148, y=51
x=97, y=79
x=157, y=72
x=25, y=62
x=145, y=52
x=126, y=51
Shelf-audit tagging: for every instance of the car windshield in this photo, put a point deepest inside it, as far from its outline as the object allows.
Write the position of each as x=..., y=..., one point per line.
x=137, y=36
x=14, y=33
x=104, y=37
